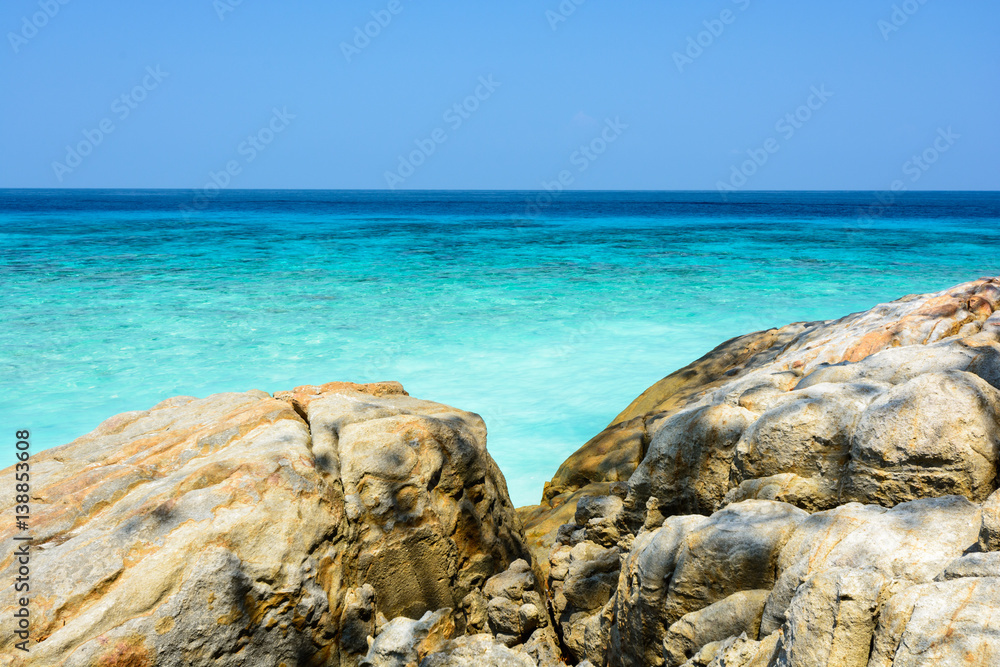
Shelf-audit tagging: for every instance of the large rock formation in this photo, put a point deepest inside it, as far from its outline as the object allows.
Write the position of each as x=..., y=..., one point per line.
x=818, y=494
x=246, y=529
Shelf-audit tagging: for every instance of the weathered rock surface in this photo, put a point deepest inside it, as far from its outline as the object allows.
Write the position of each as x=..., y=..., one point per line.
x=818, y=495
x=831, y=619
x=404, y=641
x=909, y=544
x=477, y=650
x=734, y=616
x=947, y=624
x=690, y=564
x=582, y=580
x=989, y=532
x=249, y=529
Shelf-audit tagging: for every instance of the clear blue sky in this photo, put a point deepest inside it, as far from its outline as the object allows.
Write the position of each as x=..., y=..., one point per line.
x=892, y=89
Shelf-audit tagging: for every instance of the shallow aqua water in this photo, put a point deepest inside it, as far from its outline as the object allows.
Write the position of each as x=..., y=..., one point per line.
x=547, y=321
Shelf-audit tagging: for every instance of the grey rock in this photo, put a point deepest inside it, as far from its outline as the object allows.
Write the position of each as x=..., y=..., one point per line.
x=736, y=550
x=597, y=507
x=357, y=621
x=642, y=591
x=691, y=563
x=543, y=648
x=582, y=579
x=515, y=609
x=503, y=616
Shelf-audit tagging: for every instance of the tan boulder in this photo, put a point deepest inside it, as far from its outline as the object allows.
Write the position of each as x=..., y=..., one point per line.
x=688, y=464
x=937, y=434
x=282, y=526
x=808, y=435
x=831, y=619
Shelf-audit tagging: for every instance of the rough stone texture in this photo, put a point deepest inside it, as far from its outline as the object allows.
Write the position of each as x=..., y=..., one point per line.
x=404, y=642
x=693, y=562
x=934, y=435
x=973, y=565
x=514, y=608
x=738, y=652
x=543, y=648
x=542, y=523
x=511, y=610
x=837, y=573
x=736, y=550
x=831, y=619
x=911, y=543
x=733, y=616
x=427, y=500
x=989, y=532
x=640, y=623
x=582, y=579
x=285, y=536
x=696, y=444
x=946, y=624
x=480, y=650
x=807, y=434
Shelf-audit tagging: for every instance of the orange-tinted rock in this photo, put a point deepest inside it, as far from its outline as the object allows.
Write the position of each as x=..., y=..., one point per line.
x=244, y=529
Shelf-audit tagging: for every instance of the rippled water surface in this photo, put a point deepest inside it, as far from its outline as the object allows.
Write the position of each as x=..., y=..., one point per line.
x=547, y=319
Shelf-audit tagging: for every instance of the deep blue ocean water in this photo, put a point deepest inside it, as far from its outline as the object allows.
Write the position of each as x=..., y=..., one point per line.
x=547, y=317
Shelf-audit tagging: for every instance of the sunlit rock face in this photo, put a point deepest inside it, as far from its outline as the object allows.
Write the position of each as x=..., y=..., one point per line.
x=810, y=495
x=249, y=529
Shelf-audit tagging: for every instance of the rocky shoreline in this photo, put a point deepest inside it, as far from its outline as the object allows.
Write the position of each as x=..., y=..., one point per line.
x=824, y=494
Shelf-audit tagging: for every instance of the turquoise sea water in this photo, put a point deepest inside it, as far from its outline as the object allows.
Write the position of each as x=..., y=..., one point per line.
x=546, y=319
